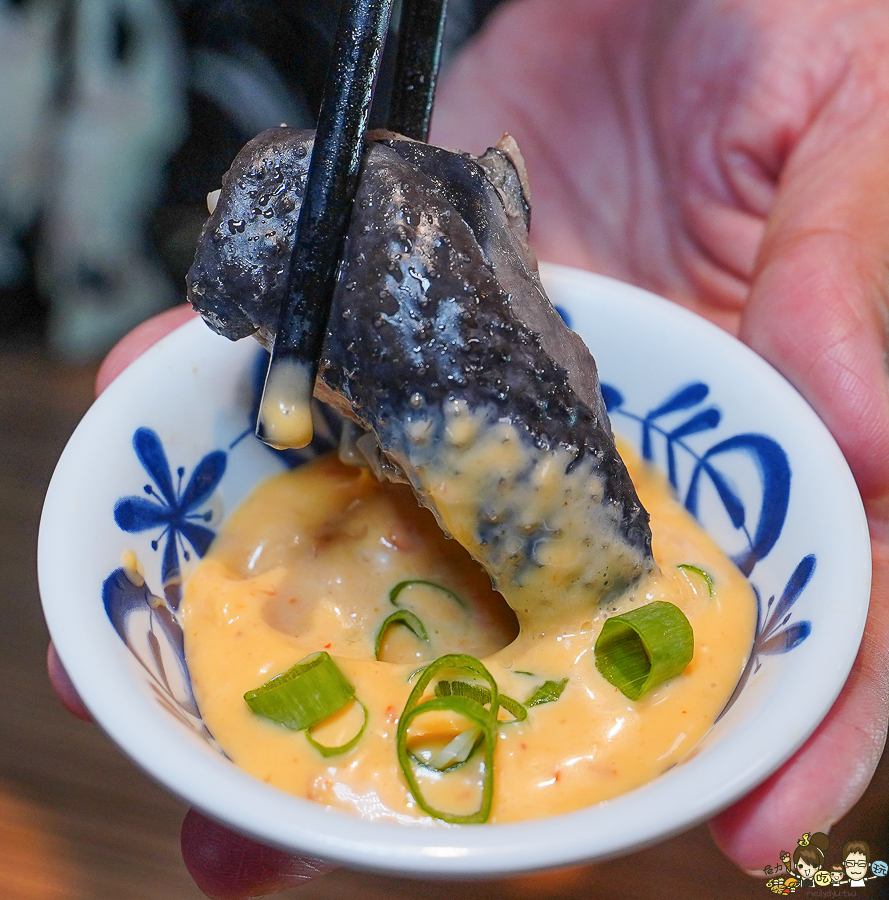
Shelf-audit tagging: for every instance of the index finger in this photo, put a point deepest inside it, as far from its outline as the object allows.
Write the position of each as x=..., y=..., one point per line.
x=138, y=341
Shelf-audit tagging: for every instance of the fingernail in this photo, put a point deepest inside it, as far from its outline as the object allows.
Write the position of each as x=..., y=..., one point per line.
x=755, y=873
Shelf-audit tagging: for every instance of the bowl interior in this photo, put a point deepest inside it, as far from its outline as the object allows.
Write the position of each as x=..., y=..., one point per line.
x=168, y=450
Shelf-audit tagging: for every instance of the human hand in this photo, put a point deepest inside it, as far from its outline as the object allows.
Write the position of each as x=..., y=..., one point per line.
x=731, y=156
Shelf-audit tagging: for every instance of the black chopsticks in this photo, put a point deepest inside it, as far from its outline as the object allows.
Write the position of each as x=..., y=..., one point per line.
x=416, y=69
x=285, y=413
x=284, y=418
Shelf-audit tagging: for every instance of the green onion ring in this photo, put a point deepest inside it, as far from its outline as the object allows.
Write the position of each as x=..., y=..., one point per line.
x=456, y=752
x=463, y=663
x=643, y=648
x=304, y=695
x=428, y=764
x=482, y=696
x=517, y=710
x=477, y=692
x=687, y=567
x=326, y=750
x=400, y=617
x=393, y=594
x=478, y=716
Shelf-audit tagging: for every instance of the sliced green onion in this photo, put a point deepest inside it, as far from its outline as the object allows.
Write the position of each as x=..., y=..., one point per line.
x=477, y=692
x=548, y=692
x=475, y=712
x=326, y=750
x=304, y=695
x=393, y=594
x=400, y=617
x=687, y=567
x=517, y=710
x=481, y=695
x=454, y=662
x=643, y=648
x=457, y=751
x=479, y=717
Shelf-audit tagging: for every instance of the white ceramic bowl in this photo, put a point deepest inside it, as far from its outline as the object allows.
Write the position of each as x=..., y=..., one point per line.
x=167, y=451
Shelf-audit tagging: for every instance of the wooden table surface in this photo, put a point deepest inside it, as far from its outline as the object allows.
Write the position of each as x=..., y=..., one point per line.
x=79, y=822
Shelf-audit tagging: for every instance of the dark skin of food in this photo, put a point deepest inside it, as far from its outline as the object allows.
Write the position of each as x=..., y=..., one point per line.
x=442, y=344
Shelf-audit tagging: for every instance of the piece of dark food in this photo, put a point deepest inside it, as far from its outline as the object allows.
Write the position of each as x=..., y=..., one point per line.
x=443, y=345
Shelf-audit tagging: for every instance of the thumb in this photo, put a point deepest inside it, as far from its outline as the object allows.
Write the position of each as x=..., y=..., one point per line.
x=818, y=312
x=229, y=866
x=818, y=305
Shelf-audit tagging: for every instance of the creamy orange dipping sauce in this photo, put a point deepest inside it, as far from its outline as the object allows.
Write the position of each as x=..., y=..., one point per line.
x=307, y=564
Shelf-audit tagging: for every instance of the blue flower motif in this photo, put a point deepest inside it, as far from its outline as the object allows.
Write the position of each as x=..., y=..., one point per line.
x=170, y=508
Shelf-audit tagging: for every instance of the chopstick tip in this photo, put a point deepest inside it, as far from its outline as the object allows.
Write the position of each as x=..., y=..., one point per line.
x=285, y=410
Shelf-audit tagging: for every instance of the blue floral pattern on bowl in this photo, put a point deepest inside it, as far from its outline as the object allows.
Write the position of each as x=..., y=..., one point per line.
x=678, y=434
x=174, y=510
x=147, y=622
x=194, y=391
x=673, y=425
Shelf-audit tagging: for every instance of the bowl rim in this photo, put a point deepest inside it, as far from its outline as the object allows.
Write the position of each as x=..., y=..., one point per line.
x=100, y=671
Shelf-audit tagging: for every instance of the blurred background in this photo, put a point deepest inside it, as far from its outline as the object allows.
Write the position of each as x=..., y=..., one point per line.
x=116, y=119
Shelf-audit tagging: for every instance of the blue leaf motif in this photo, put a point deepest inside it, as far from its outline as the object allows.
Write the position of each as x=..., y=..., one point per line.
x=785, y=640
x=612, y=397
x=705, y=420
x=685, y=398
x=198, y=536
x=135, y=514
x=774, y=471
x=206, y=476
x=801, y=576
x=730, y=500
x=123, y=600
x=772, y=637
x=171, y=575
